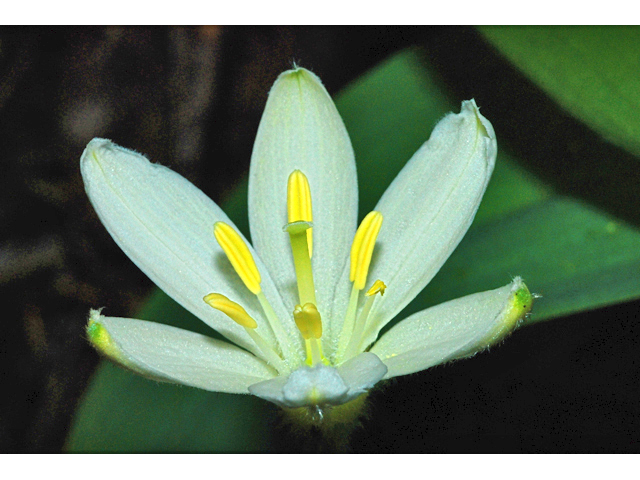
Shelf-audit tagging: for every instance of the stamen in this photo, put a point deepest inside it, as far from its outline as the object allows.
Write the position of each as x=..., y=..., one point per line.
x=239, y=315
x=361, y=253
x=299, y=229
x=362, y=248
x=239, y=256
x=242, y=261
x=231, y=309
x=299, y=203
x=288, y=350
x=309, y=323
x=377, y=287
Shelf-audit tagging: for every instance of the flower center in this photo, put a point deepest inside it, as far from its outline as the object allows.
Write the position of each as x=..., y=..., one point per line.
x=305, y=314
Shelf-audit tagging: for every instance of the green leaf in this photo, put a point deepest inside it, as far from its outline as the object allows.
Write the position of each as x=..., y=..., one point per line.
x=573, y=254
x=593, y=72
x=122, y=412
x=566, y=251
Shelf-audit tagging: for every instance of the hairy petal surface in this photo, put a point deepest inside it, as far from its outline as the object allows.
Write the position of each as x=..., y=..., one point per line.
x=301, y=129
x=170, y=354
x=454, y=329
x=165, y=225
x=429, y=207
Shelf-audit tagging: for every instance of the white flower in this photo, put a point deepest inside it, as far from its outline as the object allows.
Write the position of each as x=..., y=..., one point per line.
x=300, y=331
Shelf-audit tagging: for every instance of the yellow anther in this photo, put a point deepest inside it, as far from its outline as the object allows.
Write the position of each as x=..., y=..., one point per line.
x=231, y=309
x=239, y=315
x=239, y=256
x=377, y=287
x=308, y=321
x=362, y=248
x=299, y=202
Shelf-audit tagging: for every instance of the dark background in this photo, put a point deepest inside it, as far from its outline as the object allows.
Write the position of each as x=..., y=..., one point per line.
x=191, y=99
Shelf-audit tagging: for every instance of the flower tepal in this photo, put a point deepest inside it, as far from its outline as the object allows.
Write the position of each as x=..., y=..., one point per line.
x=302, y=308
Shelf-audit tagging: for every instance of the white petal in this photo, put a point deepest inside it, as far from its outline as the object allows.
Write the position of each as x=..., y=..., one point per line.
x=165, y=225
x=306, y=386
x=174, y=355
x=301, y=129
x=361, y=373
x=429, y=207
x=454, y=329
x=322, y=385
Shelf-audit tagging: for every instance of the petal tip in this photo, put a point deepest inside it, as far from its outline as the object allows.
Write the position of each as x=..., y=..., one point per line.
x=104, y=152
x=95, y=158
x=517, y=308
x=298, y=78
x=94, y=149
x=521, y=300
x=99, y=336
x=470, y=107
x=299, y=74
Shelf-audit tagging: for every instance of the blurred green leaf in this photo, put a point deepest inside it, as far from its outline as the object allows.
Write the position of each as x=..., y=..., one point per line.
x=573, y=254
x=565, y=250
x=591, y=71
x=123, y=412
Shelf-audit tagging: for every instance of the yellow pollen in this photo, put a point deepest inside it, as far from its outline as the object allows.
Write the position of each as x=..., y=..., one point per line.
x=239, y=256
x=231, y=309
x=299, y=203
x=362, y=248
x=377, y=287
x=308, y=321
